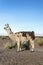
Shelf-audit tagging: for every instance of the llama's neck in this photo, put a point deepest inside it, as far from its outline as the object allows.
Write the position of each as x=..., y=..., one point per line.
x=11, y=35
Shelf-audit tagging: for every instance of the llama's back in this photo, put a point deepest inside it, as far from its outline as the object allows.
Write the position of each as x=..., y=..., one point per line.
x=27, y=32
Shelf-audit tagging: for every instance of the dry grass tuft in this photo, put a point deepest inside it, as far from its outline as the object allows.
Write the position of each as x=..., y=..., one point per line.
x=40, y=43
x=9, y=46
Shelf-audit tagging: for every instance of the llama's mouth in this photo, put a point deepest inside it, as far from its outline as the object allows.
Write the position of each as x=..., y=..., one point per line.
x=4, y=28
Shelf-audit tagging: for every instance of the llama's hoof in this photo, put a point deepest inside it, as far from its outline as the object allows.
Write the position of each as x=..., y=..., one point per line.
x=20, y=49
x=32, y=50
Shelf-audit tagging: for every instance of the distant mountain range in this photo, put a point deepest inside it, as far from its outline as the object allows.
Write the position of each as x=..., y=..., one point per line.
x=39, y=34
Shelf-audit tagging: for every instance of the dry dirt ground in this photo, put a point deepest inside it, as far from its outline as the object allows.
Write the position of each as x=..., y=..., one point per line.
x=12, y=57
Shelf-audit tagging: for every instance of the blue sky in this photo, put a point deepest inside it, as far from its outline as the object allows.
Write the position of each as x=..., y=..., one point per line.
x=21, y=15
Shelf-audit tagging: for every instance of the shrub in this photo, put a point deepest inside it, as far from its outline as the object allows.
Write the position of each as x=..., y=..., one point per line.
x=7, y=46
x=3, y=37
x=40, y=43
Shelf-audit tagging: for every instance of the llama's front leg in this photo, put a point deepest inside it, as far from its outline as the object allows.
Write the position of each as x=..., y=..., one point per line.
x=32, y=45
x=18, y=46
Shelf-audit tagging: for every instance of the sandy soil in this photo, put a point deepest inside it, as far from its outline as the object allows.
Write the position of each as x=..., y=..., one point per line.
x=11, y=57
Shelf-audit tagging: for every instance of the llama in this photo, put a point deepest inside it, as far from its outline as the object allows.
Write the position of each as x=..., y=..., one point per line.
x=18, y=38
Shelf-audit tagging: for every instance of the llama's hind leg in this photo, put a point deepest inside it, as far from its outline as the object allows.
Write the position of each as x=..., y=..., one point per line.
x=32, y=45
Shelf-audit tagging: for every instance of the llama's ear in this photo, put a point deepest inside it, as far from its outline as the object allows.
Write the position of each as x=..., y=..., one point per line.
x=7, y=25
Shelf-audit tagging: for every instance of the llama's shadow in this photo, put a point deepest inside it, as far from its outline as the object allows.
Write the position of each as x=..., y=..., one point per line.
x=26, y=46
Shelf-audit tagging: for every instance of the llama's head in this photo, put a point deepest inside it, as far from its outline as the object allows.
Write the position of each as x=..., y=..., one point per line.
x=7, y=28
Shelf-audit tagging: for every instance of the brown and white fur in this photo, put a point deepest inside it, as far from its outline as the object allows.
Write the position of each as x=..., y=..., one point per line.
x=24, y=39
